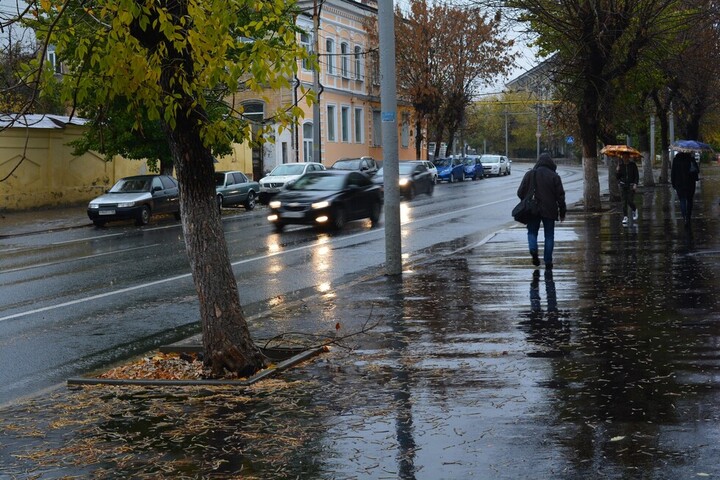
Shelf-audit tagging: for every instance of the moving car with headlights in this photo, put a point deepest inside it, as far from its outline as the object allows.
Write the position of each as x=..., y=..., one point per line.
x=283, y=175
x=327, y=199
x=137, y=198
x=366, y=165
x=234, y=188
x=495, y=165
x=473, y=167
x=450, y=169
x=414, y=178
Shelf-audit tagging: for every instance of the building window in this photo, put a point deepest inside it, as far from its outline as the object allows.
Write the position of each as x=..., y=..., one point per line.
x=345, y=124
x=331, y=123
x=375, y=55
x=330, y=50
x=306, y=44
x=254, y=112
x=358, y=63
x=308, y=142
x=405, y=130
x=359, y=125
x=53, y=61
x=345, y=60
x=377, y=128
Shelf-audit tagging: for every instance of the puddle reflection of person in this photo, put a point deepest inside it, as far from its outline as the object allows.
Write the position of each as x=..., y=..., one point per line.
x=550, y=295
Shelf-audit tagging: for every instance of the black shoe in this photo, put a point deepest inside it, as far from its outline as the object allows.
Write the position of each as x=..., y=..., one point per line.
x=535, y=259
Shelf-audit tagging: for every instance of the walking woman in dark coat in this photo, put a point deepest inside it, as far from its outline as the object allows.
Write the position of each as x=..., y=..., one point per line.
x=551, y=196
x=628, y=177
x=685, y=172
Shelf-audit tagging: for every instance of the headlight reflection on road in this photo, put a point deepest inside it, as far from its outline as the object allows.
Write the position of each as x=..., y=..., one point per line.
x=322, y=262
x=405, y=216
x=275, y=265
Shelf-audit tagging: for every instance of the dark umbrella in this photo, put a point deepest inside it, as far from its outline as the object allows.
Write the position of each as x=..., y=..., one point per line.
x=690, y=146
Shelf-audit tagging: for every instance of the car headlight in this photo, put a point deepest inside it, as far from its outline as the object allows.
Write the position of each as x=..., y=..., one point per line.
x=319, y=205
x=94, y=206
x=275, y=204
x=403, y=182
x=126, y=204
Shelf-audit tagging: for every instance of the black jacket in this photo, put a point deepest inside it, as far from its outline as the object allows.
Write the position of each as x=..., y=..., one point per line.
x=683, y=181
x=628, y=174
x=549, y=192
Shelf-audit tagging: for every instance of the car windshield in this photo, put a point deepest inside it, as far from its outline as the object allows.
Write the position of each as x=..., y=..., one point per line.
x=406, y=168
x=132, y=185
x=469, y=161
x=219, y=179
x=347, y=165
x=443, y=162
x=319, y=182
x=491, y=159
x=288, y=169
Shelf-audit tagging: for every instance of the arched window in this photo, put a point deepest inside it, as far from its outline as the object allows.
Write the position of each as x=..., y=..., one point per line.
x=345, y=60
x=358, y=63
x=330, y=50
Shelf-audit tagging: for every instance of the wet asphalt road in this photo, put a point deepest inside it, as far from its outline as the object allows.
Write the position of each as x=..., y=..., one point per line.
x=477, y=366
x=75, y=300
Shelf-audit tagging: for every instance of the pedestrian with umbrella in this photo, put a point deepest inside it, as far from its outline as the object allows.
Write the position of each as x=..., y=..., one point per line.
x=683, y=175
x=628, y=177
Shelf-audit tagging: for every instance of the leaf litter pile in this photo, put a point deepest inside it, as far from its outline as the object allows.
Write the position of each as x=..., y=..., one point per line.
x=163, y=366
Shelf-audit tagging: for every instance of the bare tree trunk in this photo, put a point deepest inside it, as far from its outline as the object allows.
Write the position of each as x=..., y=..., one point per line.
x=647, y=167
x=418, y=139
x=591, y=185
x=613, y=187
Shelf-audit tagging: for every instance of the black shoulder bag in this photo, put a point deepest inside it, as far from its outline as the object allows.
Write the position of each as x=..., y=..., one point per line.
x=528, y=208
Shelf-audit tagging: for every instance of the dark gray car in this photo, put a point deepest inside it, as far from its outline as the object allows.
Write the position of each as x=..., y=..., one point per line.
x=136, y=198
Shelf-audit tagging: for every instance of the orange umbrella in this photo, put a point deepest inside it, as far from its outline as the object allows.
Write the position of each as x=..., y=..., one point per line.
x=620, y=151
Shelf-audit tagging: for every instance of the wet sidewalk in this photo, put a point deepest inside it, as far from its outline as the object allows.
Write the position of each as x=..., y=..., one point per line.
x=472, y=365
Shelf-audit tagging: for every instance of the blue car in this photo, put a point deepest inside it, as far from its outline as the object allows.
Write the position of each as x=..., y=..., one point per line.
x=473, y=167
x=450, y=170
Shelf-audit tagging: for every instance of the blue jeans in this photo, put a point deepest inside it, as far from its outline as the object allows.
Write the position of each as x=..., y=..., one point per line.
x=686, y=206
x=533, y=227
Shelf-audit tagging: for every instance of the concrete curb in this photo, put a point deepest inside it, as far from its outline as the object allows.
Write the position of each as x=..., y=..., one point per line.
x=262, y=375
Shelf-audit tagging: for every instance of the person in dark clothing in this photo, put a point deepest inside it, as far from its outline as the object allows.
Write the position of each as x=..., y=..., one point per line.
x=628, y=176
x=683, y=175
x=550, y=194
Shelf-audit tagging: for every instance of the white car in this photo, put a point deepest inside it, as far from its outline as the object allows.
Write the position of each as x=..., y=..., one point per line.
x=495, y=165
x=283, y=175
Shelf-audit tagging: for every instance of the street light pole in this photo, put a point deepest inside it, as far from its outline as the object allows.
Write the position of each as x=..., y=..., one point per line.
x=316, y=85
x=388, y=114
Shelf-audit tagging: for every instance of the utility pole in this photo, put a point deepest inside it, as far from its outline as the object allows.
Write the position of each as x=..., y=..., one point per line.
x=388, y=114
x=316, y=85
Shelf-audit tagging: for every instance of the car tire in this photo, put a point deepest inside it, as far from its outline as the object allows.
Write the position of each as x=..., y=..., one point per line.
x=250, y=201
x=219, y=200
x=99, y=223
x=451, y=179
x=338, y=218
x=375, y=210
x=177, y=215
x=431, y=189
x=279, y=227
x=143, y=217
x=462, y=177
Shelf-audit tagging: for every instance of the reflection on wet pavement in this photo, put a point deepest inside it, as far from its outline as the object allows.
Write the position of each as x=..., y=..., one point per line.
x=479, y=367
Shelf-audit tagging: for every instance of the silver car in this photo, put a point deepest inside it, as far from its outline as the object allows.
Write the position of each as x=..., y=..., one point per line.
x=283, y=175
x=495, y=165
x=136, y=198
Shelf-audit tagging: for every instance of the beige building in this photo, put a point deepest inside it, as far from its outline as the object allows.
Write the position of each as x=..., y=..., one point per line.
x=349, y=98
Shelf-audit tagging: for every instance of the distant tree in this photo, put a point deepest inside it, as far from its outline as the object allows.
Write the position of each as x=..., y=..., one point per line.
x=163, y=57
x=596, y=42
x=489, y=118
x=444, y=53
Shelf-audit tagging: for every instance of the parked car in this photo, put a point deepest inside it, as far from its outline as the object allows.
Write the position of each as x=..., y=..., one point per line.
x=414, y=178
x=449, y=170
x=366, y=165
x=327, y=199
x=495, y=165
x=137, y=198
x=473, y=167
x=234, y=188
x=430, y=166
x=283, y=175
